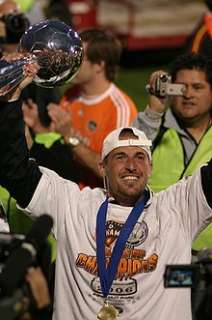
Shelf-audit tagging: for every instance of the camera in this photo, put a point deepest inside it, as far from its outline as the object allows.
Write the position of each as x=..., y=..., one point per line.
x=198, y=277
x=189, y=276
x=15, y=25
x=181, y=276
x=10, y=305
x=17, y=254
x=164, y=87
x=8, y=243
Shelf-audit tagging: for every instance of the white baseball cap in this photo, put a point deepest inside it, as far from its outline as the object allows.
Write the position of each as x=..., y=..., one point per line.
x=113, y=141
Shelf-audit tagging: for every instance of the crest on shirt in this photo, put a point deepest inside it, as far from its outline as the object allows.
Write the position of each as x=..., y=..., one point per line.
x=137, y=236
x=92, y=125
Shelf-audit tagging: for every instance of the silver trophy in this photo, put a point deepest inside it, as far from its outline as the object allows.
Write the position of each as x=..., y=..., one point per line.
x=57, y=49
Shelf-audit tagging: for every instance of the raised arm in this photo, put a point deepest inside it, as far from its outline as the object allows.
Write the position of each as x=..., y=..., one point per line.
x=150, y=119
x=18, y=174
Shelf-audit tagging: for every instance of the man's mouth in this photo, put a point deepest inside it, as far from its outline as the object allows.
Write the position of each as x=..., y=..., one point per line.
x=130, y=178
x=188, y=104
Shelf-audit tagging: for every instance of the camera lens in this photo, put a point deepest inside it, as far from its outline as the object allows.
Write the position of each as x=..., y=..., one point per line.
x=16, y=23
x=164, y=78
x=15, y=27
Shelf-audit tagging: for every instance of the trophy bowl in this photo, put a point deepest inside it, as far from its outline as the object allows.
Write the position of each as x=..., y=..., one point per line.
x=57, y=48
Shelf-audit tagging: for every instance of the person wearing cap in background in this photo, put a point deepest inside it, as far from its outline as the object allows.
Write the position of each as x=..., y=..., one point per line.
x=113, y=244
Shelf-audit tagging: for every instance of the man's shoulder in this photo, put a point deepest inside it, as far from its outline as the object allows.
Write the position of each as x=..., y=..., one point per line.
x=119, y=91
x=122, y=99
x=70, y=95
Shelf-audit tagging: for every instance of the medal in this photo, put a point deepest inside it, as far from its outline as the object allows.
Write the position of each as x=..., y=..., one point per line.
x=107, y=273
x=107, y=312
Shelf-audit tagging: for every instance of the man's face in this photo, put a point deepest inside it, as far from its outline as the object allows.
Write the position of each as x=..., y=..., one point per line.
x=87, y=71
x=9, y=7
x=127, y=170
x=197, y=99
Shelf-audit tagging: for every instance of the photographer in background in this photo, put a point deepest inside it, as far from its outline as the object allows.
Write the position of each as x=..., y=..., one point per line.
x=41, y=296
x=181, y=133
x=203, y=298
x=13, y=24
x=25, y=294
x=35, y=305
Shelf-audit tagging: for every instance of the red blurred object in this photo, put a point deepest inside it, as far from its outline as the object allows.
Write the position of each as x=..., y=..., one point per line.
x=140, y=24
x=83, y=13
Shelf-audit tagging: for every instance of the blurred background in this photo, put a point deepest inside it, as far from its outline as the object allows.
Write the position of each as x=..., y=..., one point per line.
x=153, y=32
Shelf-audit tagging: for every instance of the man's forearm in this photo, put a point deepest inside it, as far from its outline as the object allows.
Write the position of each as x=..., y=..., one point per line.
x=149, y=121
x=17, y=174
x=88, y=157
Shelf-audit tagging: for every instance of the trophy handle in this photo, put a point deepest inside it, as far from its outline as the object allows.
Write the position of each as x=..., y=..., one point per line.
x=11, y=74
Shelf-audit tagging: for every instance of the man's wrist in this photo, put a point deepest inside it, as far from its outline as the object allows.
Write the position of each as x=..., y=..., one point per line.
x=73, y=141
x=153, y=114
x=39, y=128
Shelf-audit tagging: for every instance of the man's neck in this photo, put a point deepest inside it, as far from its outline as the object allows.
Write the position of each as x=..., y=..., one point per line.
x=96, y=88
x=126, y=201
x=199, y=127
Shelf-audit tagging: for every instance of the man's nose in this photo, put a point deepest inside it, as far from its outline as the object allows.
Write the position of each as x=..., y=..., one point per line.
x=188, y=92
x=131, y=165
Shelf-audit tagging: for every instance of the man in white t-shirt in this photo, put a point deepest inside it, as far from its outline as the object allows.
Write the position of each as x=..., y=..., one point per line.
x=113, y=244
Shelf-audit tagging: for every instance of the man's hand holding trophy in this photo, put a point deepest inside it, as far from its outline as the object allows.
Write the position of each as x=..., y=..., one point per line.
x=50, y=52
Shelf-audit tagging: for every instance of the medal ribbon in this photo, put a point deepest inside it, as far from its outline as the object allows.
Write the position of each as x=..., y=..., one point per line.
x=107, y=275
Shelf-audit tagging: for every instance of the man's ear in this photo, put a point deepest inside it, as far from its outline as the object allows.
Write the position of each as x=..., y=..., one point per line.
x=150, y=170
x=100, y=67
x=102, y=169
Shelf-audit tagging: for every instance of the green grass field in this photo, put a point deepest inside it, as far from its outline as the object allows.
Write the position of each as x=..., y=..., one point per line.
x=133, y=82
x=136, y=68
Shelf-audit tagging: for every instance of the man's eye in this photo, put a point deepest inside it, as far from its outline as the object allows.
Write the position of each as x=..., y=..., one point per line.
x=198, y=87
x=141, y=156
x=119, y=156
